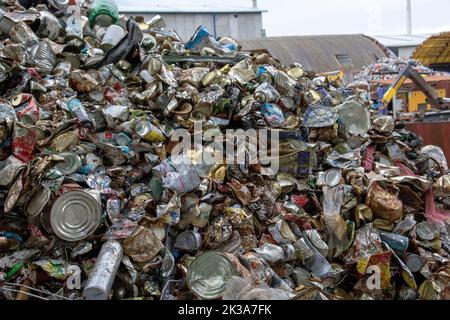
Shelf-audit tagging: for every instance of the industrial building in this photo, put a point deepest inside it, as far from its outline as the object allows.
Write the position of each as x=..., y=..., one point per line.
x=402, y=45
x=237, y=22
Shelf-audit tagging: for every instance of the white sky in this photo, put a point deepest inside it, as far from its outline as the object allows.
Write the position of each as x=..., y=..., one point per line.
x=303, y=17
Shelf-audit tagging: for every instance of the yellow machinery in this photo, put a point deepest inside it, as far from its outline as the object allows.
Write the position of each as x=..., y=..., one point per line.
x=432, y=96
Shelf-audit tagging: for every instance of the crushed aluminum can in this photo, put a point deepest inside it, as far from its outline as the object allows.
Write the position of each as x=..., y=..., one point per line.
x=37, y=203
x=188, y=241
x=22, y=33
x=150, y=132
x=9, y=168
x=427, y=231
x=316, y=240
x=407, y=293
x=397, y=242
x=77, y=109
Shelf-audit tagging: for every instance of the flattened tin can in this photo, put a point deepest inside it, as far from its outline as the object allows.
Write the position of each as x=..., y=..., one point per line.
x=75, y=215
x=189, y=241
x=71, y=164
x=209, y=273
x=316, y=240
x=22, y=33
x=38, y=201
x=102, y=277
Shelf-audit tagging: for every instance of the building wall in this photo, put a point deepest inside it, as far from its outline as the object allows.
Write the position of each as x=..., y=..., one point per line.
x=417, y=98
x=237, y=25
x=404, y=52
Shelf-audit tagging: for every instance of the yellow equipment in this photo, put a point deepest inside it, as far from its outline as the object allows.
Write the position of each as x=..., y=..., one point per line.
x=408, y=72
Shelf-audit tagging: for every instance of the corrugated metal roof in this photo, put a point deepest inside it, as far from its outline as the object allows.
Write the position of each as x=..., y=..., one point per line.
x=318, y=53
x=434, y=50
x=187, y=9
x=401, y=40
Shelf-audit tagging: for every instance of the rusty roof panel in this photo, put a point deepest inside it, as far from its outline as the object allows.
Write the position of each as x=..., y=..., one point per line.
x=434, y=50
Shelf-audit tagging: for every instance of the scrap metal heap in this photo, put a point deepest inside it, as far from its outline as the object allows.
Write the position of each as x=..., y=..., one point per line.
x=388, y=68
x=95, y=202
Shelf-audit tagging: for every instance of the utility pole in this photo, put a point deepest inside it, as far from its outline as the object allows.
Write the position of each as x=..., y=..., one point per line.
x=255, y=4
x=408, y=18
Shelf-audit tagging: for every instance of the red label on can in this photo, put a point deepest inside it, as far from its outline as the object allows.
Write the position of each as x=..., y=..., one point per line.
x=24, y=140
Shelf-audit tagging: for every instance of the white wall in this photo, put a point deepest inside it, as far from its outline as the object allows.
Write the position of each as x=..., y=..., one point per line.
x=237, y=25
x=406, y=52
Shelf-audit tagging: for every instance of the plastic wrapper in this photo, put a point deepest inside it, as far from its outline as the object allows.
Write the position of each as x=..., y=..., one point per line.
x=319, y=117
x=55, y=268
x=336, y=226
x=241, y=289
x=178, y=174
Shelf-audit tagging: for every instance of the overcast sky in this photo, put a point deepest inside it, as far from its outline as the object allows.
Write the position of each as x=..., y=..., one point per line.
x=303, y=17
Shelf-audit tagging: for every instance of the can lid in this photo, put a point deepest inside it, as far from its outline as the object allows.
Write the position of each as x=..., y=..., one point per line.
x=414, y=262
x=72, y=163
x=17, y=100
x=75, y=215
x=427, y=231
x=332, y=177
x=208, y=275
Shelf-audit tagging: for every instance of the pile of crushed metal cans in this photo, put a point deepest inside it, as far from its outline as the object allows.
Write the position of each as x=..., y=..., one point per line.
x=388, y=68
x=135, y=165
